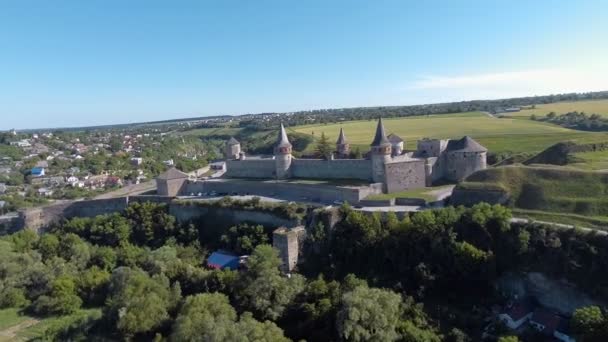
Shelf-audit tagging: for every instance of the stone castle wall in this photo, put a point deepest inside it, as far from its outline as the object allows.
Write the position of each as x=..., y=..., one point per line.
x=405, y=175
x=251, y=168
x=332, y=169
x=286, y=190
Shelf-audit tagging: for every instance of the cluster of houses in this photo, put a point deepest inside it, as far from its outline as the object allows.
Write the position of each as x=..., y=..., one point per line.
x=520, y=315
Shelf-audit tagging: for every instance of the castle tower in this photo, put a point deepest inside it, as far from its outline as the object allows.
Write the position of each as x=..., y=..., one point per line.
x=233, y=149
x=342, y=146
x=380, y=153
x=282, y=154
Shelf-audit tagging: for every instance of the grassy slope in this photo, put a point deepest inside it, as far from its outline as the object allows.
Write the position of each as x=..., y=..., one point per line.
x=424, y=193
x=552, y=189
x=499, y=135
x=11, y=317
x=591, y=160
x=591, y=106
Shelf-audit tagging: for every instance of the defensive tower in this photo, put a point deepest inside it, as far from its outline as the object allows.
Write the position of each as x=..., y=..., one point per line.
x=282, y=155
x=380, y=153
x=342, y=146
x=233, y=149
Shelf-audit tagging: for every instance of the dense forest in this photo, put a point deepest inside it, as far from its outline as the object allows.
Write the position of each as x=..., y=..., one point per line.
x=140, y=275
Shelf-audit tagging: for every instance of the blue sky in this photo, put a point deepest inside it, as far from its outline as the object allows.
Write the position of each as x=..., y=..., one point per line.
x=74, y=63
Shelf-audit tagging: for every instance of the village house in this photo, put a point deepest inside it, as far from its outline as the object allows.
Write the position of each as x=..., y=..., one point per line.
x=45, y=192
x=2, y=188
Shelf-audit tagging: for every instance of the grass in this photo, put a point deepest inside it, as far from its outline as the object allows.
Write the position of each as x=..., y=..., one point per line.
x=549, y=189
x=591, y=160
x=589, y=107
x=498, y=135
x=12, y=317
x=563, y=218
x=423, y=193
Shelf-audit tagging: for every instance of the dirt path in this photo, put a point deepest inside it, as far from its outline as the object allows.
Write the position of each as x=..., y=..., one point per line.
x=10, y=333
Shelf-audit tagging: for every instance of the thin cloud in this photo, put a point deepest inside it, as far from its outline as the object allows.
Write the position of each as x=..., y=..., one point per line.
x=509, y=84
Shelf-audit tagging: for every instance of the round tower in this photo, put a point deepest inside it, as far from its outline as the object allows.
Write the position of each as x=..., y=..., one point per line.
x=282, y=155
x=342, y=146
x=233, y=149
x=380, y=153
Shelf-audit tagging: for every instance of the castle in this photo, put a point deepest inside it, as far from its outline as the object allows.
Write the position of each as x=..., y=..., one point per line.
x=388, y=162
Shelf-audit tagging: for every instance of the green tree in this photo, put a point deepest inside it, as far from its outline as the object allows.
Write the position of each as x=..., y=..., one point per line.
x=369, y=314
x=589, y=324
x=204, y=317
x=136, y=302
x=61, y=300
x=92, y=285
x=243, y=238
x=151, y=223
x=264, y=290
x=323, y=148
x=210, y=317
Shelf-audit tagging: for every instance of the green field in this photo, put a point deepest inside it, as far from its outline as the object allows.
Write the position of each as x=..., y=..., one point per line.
x=589, y=107
x=498, y=135
x=597, y=160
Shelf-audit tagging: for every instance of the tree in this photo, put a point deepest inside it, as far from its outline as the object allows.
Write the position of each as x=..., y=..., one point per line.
x=204, y=317
x=508, y=339
x=210, y=317
x=62, y=299
x=136, y=302
x=92, y=285
x=323, y=148
x=369, y=314
x=151, y=223
x=263, y=289
x=589, y=324
x=243, y=238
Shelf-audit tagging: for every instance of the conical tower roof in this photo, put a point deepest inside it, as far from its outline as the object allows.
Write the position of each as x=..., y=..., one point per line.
x=283, y=141
x=380, y=138
x=341, y=138
x=233, y=141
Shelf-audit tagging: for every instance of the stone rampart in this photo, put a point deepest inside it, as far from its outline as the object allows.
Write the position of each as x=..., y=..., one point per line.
x=286, y=190
x=420, y=202
x=332, y=169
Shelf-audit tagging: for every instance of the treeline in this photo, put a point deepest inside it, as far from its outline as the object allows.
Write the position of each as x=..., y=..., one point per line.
x=140, y=275
x=576, y=120
x=262, y=121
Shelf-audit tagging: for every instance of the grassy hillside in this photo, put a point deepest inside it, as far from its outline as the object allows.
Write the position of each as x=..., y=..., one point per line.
x=498, y=135
x=591, y=106
x=551, y=189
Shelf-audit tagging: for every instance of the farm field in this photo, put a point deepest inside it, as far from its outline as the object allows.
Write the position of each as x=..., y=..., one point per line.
x=498, y=135
x=589, y=107
x=597, y=160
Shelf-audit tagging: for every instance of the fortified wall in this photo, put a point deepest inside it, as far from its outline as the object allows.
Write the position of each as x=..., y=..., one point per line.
x=286, y=190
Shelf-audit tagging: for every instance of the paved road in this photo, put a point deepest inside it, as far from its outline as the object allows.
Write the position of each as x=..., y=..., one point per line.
x=558, y=225
x=129, y=190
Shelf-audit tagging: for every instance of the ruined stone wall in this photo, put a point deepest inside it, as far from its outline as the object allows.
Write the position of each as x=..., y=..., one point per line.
x=459, y=165
x=405, y=175
x=251, y=168
x=332, y=169
x=289, y=242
